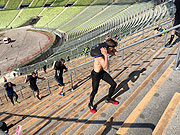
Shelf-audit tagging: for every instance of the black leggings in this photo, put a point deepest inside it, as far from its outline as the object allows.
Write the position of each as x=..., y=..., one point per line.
x=11, y=97
x=96, y=77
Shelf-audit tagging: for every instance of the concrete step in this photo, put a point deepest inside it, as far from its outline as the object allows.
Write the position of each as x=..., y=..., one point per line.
x=169, y=121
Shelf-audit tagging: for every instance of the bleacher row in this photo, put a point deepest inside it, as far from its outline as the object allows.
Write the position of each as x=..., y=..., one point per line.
x=147, y=92
x=139, y=77
x=136, y=21
x=51, y=17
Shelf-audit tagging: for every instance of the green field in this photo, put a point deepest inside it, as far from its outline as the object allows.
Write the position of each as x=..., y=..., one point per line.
x=13, y=4
x=6, y=17
x=26, y=15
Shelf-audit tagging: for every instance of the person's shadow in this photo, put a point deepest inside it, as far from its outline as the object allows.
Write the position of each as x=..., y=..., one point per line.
x=133, y=76
x=176, y=41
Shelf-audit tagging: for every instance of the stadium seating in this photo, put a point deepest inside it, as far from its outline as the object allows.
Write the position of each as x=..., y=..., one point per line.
x=69, y=13
x=70, y=114
x=25, y=15
x=146, y=83
x=6, y=20
x=13, y=4
x=3, y=2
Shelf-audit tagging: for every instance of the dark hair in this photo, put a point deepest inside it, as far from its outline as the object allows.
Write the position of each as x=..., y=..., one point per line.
x=111, y=43
x=61, y=60
x=33, y=73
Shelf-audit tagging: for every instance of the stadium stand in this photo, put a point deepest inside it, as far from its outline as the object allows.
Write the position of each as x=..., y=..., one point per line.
x=69, y=13
x=5, y=21
x=26, y=14
x=13, y=4
x=47, y=117
x=3, y=2
x=38, y=3
x=146, y=85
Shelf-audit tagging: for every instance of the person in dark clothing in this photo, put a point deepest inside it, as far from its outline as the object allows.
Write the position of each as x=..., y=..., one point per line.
x=100, y=53
x=59, y=67
x=32, y=79
x=44, y=68
x=176, y=22
x=5, y=80
x=3, y=127
x=10, y=92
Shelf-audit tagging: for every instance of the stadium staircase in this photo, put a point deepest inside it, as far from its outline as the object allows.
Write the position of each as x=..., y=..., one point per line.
x=146, y=83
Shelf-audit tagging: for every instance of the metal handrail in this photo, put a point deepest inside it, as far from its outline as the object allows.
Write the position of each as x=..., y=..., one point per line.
x=133, y=44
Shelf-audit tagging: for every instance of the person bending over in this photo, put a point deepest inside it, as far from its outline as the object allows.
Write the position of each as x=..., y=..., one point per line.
x=32, y=79
x=100, y=53
x=11, y=93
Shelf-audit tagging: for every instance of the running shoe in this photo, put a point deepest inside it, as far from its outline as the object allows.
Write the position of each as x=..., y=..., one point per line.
x=17, y=102
x=112, y=101
x=39, y=98
x=92, y=109
x=168, y=45
x=61, y=93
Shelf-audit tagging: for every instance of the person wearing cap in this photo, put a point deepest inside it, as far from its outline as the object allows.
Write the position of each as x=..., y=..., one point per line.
x=100, y=53
x=32, y=79
x=10, y=92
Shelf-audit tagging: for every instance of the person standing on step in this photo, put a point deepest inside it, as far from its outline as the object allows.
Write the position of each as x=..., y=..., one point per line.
x=44, y=68
x=32, y=79
x=4, y=128
x=59, y=67
x=10, y=92
x=176, y=22
x=5, y=79
x=100, y=53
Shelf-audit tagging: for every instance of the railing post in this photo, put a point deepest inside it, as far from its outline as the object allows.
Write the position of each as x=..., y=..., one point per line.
x=71, y=80
x=85, y=58
x=108, y=65
x=74, y=68
x=165, y=38
x=47, y=81
x=123, y=52
x=175, y=67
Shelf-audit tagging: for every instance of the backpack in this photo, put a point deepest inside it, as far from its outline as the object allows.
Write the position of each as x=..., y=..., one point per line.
x=95, y=50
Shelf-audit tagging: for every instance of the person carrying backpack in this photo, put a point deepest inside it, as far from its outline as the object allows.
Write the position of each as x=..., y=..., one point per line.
x=101, y=63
